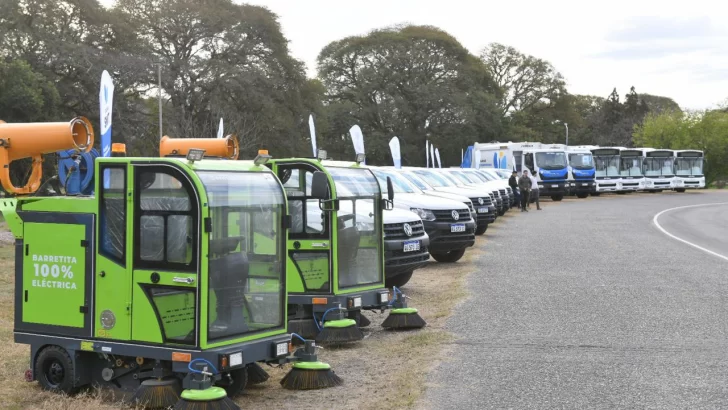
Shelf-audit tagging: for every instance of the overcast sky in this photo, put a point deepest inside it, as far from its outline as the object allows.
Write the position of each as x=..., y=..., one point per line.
x=669, y=48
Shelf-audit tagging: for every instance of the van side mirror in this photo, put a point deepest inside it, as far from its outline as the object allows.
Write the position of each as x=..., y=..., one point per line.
x=390, y=189
x=320, y=185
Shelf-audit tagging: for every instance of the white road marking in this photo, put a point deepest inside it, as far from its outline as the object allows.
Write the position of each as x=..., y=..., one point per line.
x=657, y=224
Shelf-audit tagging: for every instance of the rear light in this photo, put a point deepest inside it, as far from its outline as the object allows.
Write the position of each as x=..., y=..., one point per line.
x=181, y=357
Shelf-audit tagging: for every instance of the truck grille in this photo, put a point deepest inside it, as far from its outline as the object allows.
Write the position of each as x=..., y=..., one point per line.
x=502, y=192
x=446, y=216
x=486, y=201
x=395, y=258
x=396, y=231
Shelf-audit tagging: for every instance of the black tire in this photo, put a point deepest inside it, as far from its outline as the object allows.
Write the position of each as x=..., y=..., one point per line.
x=448, y=257
x=582, y=195
x=596, y=193
x=679, y=189
x=237, y=385
x=502, y=212
x=399, y=280
x=557, y=198
x=659, y=190
x=54, y=370
x=481, y=229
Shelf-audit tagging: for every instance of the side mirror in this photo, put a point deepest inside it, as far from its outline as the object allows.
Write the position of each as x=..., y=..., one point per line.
x=320, y=185
x=390, y=189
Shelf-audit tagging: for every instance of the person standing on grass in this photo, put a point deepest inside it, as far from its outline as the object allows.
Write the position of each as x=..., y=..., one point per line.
x=513, y=183
x=534, y=191
x=524, y=184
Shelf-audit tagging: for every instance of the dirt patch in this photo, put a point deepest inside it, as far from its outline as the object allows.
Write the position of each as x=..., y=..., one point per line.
x=387, y=369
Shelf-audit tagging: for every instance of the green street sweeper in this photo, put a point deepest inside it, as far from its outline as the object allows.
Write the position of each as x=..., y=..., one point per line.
x=173, y=274
x=335, y=249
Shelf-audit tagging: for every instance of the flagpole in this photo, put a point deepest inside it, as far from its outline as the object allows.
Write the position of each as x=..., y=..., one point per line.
x=159, y=97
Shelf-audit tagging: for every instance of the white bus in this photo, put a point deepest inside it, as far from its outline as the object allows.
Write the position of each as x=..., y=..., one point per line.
x=689, y=169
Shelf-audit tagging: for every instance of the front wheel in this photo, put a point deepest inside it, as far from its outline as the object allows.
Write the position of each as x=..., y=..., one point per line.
x=481, y=229
x=596, y=193
x=448, y=257
x=234, y=382
x=557, y=198
x=54, y=370
x=399, y=280
x=679, y=189
x=582, y=195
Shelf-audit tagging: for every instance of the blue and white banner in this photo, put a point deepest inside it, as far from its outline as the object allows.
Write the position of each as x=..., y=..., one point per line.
x=437, y=156
x=106, y=99
x=357, y=138
x=432, y=155
x=312, y=131
x=396, y=154
x=219, y=129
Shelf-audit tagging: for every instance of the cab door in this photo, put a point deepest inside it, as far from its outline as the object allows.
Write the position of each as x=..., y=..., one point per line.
x=309, y=234
x=166, y=237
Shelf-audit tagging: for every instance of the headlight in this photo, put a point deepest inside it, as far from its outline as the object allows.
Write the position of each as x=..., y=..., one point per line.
x=384, y=297
x=282, y=349
x=540, y=186
x=424, y=214
x=355, y=302
x=236, y=359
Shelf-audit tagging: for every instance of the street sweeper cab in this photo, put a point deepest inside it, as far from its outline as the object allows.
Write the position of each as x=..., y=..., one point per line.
x=173, y=262
x=335, y=247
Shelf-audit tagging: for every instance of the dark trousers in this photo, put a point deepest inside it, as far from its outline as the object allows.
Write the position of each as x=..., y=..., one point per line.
x=524, y=200
x=534, y=195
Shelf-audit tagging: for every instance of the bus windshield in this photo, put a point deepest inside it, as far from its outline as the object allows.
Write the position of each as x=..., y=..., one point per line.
x=607, y=166
x=656, y=167
x=689, y=167
x=630, y=166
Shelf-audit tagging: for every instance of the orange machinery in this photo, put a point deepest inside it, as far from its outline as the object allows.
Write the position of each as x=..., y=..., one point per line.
x=31, y=140
x=227, y=147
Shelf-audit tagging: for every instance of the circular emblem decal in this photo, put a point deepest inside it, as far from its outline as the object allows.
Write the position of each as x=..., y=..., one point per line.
x=455, y=215
x=108, y=320
x=480, y=201
x=407, y=229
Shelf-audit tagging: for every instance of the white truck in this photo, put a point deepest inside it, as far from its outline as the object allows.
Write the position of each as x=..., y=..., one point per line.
x=689, y=169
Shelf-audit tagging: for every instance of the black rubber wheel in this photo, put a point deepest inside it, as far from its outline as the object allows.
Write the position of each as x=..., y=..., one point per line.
x=237, y=385
x=679, y=189
x=502, y=212
x=596, y=193
x=557, y=198
x=481, y=229
x=399, y=280
x=659, y=190
x=54, y=370
x=621, y=192
x=448, y=257
x=582, y=195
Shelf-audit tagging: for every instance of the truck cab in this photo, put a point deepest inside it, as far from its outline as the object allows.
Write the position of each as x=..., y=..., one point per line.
x=550, y=166
x=582, y=172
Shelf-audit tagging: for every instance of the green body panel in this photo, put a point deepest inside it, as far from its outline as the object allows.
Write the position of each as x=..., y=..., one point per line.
x=8, y=208
x=113, y=294
x=54, y=274
x=403, y=311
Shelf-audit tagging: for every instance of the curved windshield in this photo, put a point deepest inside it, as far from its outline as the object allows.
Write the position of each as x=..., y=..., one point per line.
x=659, y=167
x=461, y=177
x=689, y=167
x=246, y=246
x=359, y=227
x=476, y=176
x=503, y=174
x=581, y=160
x=433, y=179
x=551, y=160
x=630, y=166
x=399, y=184
x=486, y=174
x=416, y=181
x=607, y=166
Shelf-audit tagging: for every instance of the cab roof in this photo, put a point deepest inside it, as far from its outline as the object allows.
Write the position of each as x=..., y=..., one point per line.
x=202, y=165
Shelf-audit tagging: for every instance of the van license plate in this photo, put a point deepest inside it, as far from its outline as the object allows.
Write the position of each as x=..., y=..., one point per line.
x=482, y=210
x=457, y=228
x=411, y=246
x=554, y=186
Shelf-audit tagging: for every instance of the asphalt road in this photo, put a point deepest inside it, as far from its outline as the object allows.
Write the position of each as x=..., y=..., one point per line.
x=587, y=304
x=704, y=226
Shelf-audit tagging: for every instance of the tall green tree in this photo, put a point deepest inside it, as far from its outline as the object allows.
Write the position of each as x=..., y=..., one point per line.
x=415, y=82
x=703, y=130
